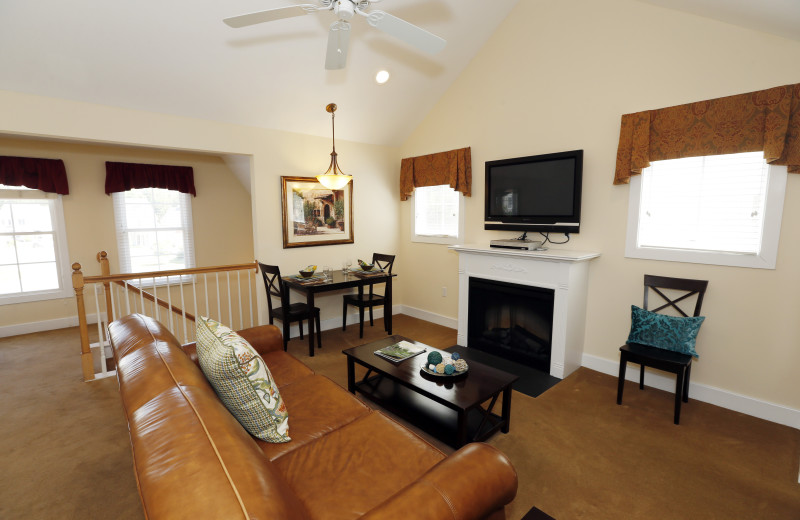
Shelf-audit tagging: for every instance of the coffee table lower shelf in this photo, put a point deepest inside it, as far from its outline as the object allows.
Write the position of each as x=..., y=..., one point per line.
x=440, y=421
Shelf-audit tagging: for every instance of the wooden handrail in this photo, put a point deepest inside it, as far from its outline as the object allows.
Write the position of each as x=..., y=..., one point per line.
x=159, y=301
x=174, y=272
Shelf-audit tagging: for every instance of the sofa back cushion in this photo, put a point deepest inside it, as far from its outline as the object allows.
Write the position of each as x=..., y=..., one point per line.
x=192, y=458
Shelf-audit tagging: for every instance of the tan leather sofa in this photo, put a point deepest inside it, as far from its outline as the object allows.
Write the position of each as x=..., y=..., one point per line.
x=192, y=458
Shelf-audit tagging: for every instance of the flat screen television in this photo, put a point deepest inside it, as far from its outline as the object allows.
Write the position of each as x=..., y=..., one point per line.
x=536, y=193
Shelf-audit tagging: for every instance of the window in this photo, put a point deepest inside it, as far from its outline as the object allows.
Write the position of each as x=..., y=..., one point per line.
x=438, y=215
x=34, y=261
x=719, y=209
x=154, y=230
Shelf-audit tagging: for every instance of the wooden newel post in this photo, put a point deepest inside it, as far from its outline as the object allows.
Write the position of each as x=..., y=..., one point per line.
x=105, y=270
x=87, y=364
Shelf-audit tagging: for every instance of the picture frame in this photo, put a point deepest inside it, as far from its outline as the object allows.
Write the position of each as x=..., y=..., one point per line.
x=314, y=215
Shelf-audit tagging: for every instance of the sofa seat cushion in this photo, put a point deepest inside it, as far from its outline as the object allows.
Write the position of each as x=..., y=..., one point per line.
x=366, y=461
x=285, y=369
x=318, y=407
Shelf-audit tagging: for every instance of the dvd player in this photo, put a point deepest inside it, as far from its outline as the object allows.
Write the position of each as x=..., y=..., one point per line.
x=529, y=245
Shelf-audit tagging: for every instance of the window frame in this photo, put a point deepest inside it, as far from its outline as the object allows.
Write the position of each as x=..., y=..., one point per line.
x=63, y=266
x=188, y=241
x=765, y=259
x=437, y=239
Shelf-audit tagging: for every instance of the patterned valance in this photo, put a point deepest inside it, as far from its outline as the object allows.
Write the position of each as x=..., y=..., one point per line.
x=48, y=175
x=453, y=168
x=767, y=120
x=128, y=176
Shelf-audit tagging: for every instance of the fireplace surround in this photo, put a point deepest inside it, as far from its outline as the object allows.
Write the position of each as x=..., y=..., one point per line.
x=562, y=272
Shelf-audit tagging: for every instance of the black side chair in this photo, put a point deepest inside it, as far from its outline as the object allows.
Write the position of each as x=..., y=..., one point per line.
x=286, y=313
x=675, y=362
x=370, y=299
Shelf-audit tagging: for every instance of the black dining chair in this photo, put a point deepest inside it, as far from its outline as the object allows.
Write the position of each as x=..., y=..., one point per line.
x=287, y=312
x=368, y=299
x=681, y=290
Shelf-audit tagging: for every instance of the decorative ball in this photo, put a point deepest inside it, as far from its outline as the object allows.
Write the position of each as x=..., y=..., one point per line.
x=455, y=356
x=432, y=367
x=460, y=365
x=440, y=368
x=449, y=369
x=434, y=358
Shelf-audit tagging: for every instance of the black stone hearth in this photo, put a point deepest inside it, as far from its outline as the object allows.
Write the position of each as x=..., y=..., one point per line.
x=511, y=321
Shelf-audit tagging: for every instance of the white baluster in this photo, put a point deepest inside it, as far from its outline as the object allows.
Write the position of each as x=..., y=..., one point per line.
x=183, y=315
x=169, y=307
x=196, y=310
x=205, y=284
x=219, y=309
x=230, y=306
x=239, y=294
x=100, y=336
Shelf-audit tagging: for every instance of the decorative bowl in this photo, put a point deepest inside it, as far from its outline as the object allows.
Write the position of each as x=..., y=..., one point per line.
x=366, y=267
x=306, y=274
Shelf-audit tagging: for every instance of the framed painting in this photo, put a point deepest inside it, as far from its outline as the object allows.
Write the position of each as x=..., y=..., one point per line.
x=314, y=215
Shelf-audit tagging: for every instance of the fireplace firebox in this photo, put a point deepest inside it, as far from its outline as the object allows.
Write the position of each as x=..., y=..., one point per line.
x=511, y=321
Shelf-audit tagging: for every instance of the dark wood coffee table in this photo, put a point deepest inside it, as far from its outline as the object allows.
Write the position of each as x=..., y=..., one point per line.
x=449, y=408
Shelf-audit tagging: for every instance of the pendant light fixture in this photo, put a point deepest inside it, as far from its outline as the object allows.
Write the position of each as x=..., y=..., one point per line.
x=333, y=179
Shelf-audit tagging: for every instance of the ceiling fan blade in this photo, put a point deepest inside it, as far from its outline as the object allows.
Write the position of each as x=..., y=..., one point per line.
x=338, y=43
x=270, y=15
x=409, y=33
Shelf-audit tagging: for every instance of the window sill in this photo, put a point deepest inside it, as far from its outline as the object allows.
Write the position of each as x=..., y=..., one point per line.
x=56, y=294
x=426, y=239
x=702, y=257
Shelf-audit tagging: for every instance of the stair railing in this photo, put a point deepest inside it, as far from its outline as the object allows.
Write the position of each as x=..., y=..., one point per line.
x=170, y=297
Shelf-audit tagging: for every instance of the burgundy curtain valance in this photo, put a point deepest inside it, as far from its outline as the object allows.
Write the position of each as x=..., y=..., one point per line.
x=453, y=168
x=129, y=176
x=48, y=175
x=767, y=120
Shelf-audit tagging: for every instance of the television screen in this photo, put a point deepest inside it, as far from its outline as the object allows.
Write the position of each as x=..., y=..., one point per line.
x=537, y=193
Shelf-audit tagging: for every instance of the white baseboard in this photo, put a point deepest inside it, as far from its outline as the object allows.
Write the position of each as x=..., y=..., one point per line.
x=739, y=403
x=41, y=326
x=444, y=321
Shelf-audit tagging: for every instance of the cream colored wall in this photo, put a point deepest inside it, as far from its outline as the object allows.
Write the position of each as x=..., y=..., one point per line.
x=272, y=154
x=220, y=213
x=557, y=76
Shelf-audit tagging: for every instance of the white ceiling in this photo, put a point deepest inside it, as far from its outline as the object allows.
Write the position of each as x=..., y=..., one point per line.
x=177, y=57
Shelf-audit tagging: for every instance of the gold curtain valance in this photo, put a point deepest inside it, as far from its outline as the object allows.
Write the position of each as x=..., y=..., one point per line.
x=453, y=168
x=767, y=120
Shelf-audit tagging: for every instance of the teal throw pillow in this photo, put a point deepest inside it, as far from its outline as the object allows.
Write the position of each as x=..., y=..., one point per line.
x=242, y=381
x=662, y=331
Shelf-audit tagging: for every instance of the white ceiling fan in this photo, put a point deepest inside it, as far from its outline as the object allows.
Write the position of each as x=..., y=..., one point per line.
x=339, y=35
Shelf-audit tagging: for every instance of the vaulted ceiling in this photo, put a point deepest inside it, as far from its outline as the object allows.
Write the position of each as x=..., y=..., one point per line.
x=177, y=57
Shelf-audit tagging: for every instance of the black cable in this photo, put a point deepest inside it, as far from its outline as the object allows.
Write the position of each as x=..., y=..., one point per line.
x=547, y=238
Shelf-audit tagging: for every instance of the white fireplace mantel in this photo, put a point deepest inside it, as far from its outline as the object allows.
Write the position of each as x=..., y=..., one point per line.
x=565, y=272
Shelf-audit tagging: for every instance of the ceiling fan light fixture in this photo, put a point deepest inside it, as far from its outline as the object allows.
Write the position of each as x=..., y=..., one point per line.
x=334, y=178
x=382, y=77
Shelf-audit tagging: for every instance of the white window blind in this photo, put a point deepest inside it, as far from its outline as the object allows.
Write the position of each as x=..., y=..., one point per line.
x=436, y=211
x=154, y=230
x=33, y=248
x=711, y=203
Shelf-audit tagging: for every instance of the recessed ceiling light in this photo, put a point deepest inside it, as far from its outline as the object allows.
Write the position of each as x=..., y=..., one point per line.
x=382, y=77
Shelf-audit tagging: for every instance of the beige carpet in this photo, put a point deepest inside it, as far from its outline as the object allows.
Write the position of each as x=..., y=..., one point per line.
x=578, y=455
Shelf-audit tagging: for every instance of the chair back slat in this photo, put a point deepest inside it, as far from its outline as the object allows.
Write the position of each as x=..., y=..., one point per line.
x=384, y=262
x=273, y=283
x=687, y=286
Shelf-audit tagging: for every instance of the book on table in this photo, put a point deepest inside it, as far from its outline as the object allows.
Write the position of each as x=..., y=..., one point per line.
x=400, y=351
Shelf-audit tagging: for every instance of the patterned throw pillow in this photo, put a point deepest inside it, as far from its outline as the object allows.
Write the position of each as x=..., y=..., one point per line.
x=242, y=381
x=662, y=331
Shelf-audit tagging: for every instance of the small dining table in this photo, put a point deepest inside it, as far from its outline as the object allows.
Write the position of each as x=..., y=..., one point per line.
x=342, y=280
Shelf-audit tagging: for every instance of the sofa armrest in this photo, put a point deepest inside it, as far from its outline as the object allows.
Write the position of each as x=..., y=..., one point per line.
x=475, y=482
x=265, y=338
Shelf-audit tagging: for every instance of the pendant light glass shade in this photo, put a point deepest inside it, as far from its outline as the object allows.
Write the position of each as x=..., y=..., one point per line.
x=333, y=179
